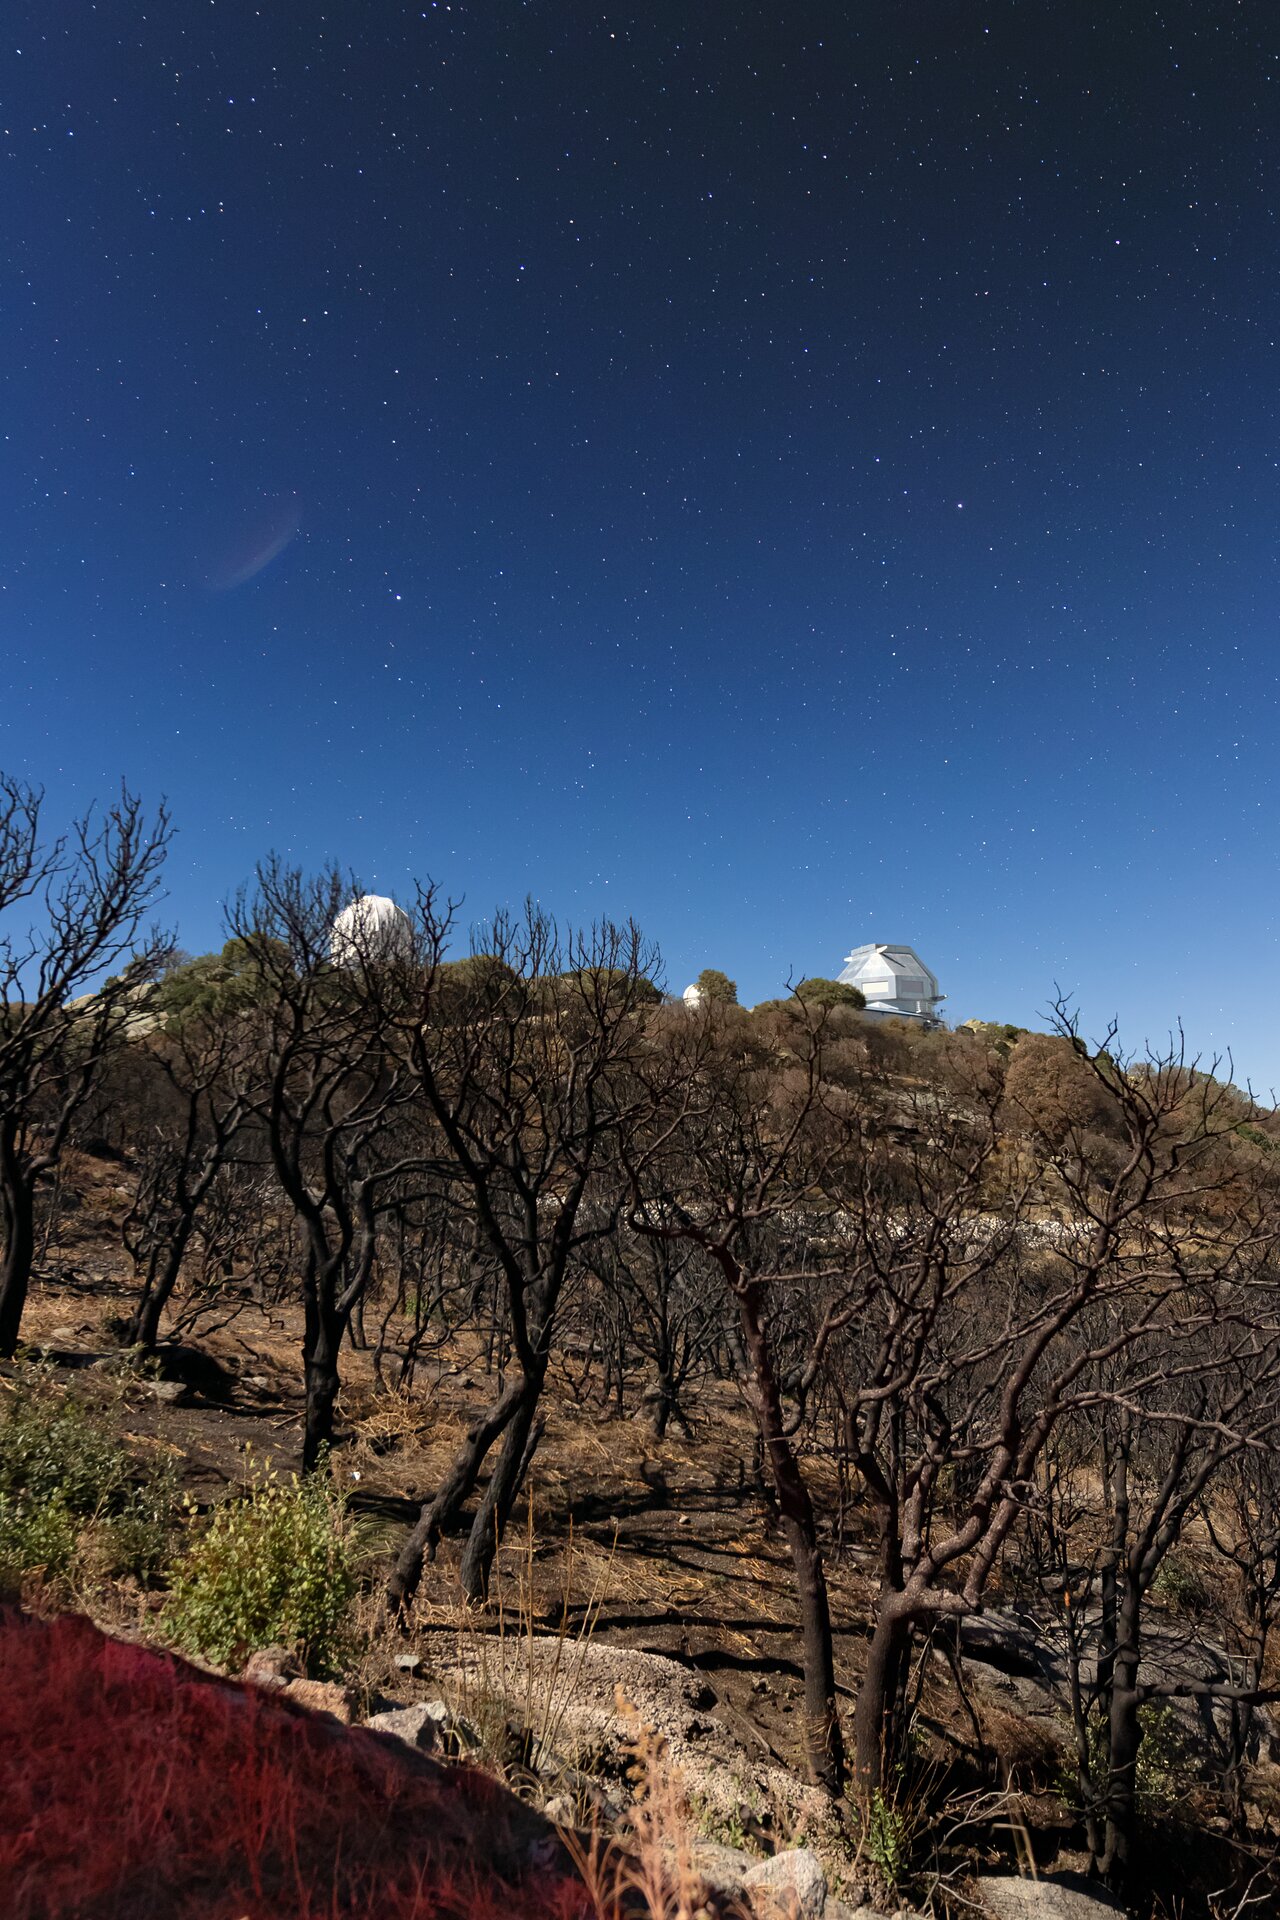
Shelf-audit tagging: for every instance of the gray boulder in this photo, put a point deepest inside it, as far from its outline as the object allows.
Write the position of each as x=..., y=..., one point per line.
x=272, y=1667
x=428, y=1726
x=1059, y=1896
x=175, y=1392
x=860, y=1910
x=791, y=1886
x=725, y=1869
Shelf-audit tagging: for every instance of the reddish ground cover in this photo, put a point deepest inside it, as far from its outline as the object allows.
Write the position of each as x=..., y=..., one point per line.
x=135, y=1787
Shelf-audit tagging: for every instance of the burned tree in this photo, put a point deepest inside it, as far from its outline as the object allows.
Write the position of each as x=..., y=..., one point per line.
x=200, y=1064
x=991, y=1322
x=63, y=1013
x=747, y=1164
x=524, y=1062
x=663, y=1303
x=330, y=1100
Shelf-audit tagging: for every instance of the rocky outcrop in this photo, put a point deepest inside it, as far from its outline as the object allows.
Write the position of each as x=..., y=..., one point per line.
x=196, y=1792
x=589, y=1701
x=790, y=1886
x=430, y=1727
x=1065, y=1896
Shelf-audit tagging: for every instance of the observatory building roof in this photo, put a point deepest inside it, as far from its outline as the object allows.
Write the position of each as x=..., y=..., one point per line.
x=371, y=928
x=894, y=980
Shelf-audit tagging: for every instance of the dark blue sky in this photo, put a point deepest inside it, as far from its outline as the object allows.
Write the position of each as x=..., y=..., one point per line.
x=800, y=475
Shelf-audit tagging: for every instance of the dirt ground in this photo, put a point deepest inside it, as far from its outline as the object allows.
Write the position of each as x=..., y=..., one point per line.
x=666, y=1544
x=657, y=1546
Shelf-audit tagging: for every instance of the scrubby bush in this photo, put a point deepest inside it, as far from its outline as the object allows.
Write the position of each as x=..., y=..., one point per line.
x=66, y=1481
x=37, y=1540
x=138, y=1539
x=1051, y=1088
x=819, y=992
x=1181, y=1587
x=1160, y=1772
x=54, y=1449
x=273, y=1566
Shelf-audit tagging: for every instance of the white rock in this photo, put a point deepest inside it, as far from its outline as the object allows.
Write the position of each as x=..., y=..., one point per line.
x=791, y=1886
x=428, y=1725
x=725, y=1869
x=1059, y=1897
x=174, y=1391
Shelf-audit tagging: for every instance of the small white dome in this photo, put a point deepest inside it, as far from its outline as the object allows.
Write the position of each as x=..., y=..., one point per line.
x=372, y=928
x=693, y=995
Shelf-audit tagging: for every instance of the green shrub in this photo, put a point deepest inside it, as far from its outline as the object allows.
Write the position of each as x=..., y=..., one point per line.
x=138, y=1539
x=274, y=1566
x=56, y=1450
x=886, y=1835
x=72, y=1498
x=1180, y=1586
x=37, y=1539
x=1159, y=1775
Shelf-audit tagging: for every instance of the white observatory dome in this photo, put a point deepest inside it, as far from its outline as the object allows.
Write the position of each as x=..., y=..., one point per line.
x=692, y=995
x=896, y=982
x=371, y=930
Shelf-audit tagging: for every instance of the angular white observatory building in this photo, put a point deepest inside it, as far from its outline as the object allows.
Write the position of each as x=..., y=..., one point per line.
x=895, y=982
x=371, y=931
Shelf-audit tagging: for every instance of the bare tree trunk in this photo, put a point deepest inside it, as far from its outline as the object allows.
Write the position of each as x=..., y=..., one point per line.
x=144, y=1326
x=355, y=1329
x=450, y=1496
x=18, y=1257
x=824, y=1743
x=666, y=1401
x=518, y=1448
x=1238, y=1735
x=1125, y=1737
x=877, y=1716
x=322, y=1342
x=321, y=1381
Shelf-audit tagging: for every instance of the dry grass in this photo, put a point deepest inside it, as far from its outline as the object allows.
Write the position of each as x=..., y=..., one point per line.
x=509, y=1673
x=649, y=1861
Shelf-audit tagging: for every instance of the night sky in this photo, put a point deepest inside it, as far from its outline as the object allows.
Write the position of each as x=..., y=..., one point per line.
x=799, y=475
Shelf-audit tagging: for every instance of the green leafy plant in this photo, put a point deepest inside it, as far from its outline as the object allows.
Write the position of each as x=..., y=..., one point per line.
x=1180, y=1586
x=72, y=1498
x=275, y=1565
x=1159, y=1775
x=36, y=1540
x=885, y=1835
x=138, y=1539
x=1160, y=1772
x=56, y=1449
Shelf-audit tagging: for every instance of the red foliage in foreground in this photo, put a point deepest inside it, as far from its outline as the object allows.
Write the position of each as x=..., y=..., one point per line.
x=135, y=1787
